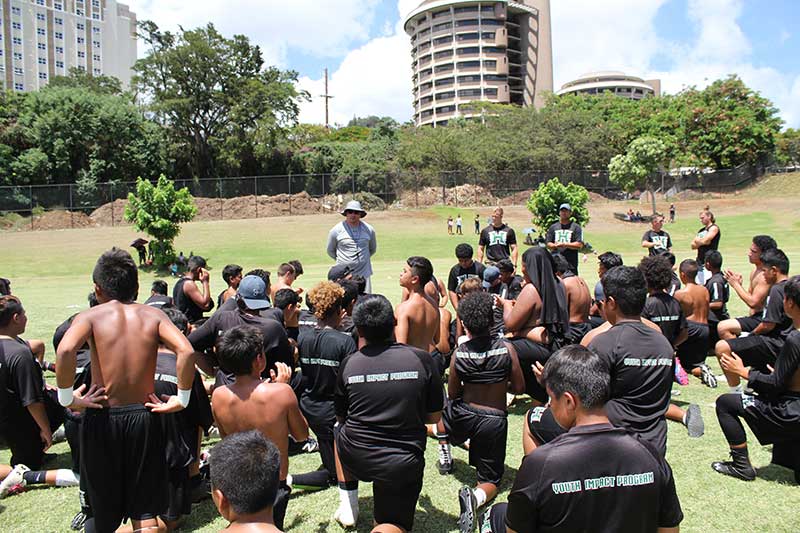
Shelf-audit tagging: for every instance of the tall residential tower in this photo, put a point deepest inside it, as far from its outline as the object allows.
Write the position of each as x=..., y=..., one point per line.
x=45, y=38
x=477, y=50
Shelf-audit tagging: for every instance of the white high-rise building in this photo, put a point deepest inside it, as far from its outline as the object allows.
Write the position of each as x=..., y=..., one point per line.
x=45, y=38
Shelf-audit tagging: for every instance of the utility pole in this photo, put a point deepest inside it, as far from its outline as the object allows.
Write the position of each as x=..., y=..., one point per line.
x=327, y=98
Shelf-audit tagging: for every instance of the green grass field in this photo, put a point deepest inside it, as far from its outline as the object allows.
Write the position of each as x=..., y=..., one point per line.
x=51, y=272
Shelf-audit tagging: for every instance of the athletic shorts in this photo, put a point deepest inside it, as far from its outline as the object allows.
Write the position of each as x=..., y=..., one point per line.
x=773, y=421
x=320, y=415
x=281, y=502
x=123, y=464
x=757, y=351
x=528, y=353
x=542, y=425
x=693, y=351
x=495, y=520
x=179, y=495
x=749, y=323
x=577, y=331
x=487, y=431
x=22, y=435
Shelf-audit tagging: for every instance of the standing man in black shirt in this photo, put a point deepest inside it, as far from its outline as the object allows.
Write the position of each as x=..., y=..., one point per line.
x=759, y=349
x=707, y=239
x=190, y=300
x=595, y=477
x=719, y=293
x=497, y=241
x=385, y=394
x=774, y=413
x=465, y=269
x=566, y=236
x=656, y=239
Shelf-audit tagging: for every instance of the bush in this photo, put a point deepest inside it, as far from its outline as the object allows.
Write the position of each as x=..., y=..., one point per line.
x=369, y=201
x=544, y=202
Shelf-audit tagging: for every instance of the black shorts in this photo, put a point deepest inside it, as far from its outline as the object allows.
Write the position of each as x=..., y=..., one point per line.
x=749, y=323
x=22, y=435
x=123, y=465
x=179, y=495
x=542, y=425
x=320, y=415
x=487, y=431
x=396, y=502
x=577, y=331
x=528, y=353
x=281, y=502
x=693, y=351
x=756, y=351
x=773, y=421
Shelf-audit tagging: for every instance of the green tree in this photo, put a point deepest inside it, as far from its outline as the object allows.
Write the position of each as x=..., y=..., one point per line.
x=787, y=147
x=639, y=166
x=544, y=202
x=221, y=106
x=159, y=210
x=80, y=79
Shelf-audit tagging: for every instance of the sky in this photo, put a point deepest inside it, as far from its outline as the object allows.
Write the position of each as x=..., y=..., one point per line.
x=367, y=53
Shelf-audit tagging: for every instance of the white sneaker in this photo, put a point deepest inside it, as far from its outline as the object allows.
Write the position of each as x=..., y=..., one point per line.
x=59, y=435
x=13, y=479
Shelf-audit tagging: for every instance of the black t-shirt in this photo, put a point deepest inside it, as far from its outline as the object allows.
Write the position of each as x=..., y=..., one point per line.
x=158, y=300
x=719, y=291
x=307, y=319
x=665, y=311
x=674, y=284
x=497, y=241
x=321, y=353
x=459, y=275
x=185, y=304
x=770, y=386
x=713, y=245
x=83, y=370
x=641, y=361
x=566, y=233
x=594, y=478
x=661, y=238
x=21, y=382
x=774, y=313
x=181, y=427
x=385, y=392
x=498, y=324
x=514, y=287
x=276, y=342
x=483, y=361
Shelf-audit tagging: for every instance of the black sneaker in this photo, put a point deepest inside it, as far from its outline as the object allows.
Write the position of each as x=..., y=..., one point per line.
x=729, y=468
x=445, y=462
x=201, y=491
x=78, y=521
x=468, y=505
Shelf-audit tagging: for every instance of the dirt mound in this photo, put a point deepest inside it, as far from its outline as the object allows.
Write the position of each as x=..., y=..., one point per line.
x=62, y=220
x=463, y=195
x=518, y=198
x=111, y=214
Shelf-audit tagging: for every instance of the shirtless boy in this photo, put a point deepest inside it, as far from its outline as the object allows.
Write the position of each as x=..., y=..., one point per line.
x=123, y=465
x=695, y=301
x=755, y=296
x=287, y=274
x=417, y=317
x=579, y=300
x=250, y=403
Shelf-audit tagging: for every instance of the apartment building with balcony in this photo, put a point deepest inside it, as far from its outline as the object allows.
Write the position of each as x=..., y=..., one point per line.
x=40, y=39
x=477, y=50
x=617, y=83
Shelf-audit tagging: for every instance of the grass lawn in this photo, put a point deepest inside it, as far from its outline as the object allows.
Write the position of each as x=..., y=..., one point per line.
x=51, y=272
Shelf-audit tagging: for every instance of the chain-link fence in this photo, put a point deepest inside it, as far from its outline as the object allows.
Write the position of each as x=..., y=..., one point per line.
x=79, y=205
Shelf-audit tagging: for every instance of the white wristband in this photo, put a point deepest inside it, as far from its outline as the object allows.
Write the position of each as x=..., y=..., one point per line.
x=65, y=397
x=184, y=396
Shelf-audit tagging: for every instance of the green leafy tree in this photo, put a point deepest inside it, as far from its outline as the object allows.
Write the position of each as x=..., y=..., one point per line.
x=80, y=79
x=159, y=210
x=638, y=168
x=787, y=147
x=544, y=202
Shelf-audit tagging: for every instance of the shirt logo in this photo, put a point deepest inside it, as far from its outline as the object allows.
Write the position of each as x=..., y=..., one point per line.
x=660, y=241
x=563, y=236
x=497, y=237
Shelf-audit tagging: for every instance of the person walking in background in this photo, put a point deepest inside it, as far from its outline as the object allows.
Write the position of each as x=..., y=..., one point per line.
x=458, y=225
x=450, y=224
x=671, y=213
x=352, y=242
x=477, y=224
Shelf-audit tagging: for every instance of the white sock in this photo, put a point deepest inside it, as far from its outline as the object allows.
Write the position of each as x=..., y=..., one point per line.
x=66, y=478
x=347, y=513
x=683, y=420
x=480, y=496
x=289, y=480
x=737, y=388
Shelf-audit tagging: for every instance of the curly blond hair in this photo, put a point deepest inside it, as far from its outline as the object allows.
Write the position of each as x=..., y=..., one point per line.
x=326, y=297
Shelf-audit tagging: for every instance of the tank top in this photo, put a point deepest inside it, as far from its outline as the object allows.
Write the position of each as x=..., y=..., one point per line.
x=483, y=361
x=713, y=245
x=184, y=303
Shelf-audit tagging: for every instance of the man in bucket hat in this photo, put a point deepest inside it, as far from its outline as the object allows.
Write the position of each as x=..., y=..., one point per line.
x=352, y=242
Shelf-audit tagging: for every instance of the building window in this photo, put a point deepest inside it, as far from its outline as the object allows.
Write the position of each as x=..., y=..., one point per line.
x=59, y=49
x=19, y=87
x=41, y=31
x=18, y=71
x=97, y=72
x=96, y=57
x=95, y=3
x=81, y=54
x=39, y=16
x=79, y=12
x=444, y=26
x=16, y=11
x=95, y=29
x=59, y=35
x=16, y=40
x=96, y=16
x=59, y=21
x=81, y=68
x=43, y=75
x=41, y=46
x=39, y=2
x=16, y=25
x=42, y=61
x=60, y=64
x=468, y=22
x=18, y=56
x=58, y=6
x=81, y=26
x=96, y=44
x=81, y=40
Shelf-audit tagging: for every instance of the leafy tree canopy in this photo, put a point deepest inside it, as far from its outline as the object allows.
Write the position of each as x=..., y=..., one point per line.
x=544, y=202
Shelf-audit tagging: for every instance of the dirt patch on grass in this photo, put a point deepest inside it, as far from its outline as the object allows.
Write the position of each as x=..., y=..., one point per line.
x=463, y=195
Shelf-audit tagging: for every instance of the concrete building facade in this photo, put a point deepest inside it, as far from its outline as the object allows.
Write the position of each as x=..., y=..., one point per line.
x=45, y=38
x=619, y=83
x=478, y=50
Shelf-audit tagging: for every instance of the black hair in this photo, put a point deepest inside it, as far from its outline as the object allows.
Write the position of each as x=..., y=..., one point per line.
x=714, y=259
x=628, y=288
x=245, y=467
x=776, y=258
x=177, y=317
x=298, y=267
x=561, y=264
x=580, y=371
x=657, y=272
x=610, y=260
x=286, y=297
x=285, y=268
x=195, y=262
x=361, y=281
x=421, y=267
x=464, y=251
x=374, y=317
x=116, y=275
x=791, y=290
x=92, y=299
x=238, y=347
x=505, y=265
x=476, y=312
x=351, y=292
x=9, y=306
x=230, y=272
x=261, y=273
x=765, y=243
x=159, y=286
x=669, y=255
x=689, y=268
